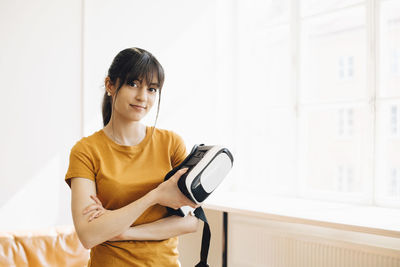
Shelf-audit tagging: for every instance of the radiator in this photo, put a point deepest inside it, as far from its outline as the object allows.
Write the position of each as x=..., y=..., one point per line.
x=257, y=242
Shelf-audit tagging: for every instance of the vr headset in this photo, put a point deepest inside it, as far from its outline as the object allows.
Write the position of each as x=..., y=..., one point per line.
x=207, y=168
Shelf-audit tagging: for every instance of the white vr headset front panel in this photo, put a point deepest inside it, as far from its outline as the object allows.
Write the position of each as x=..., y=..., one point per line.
x=218, y=167
x=215, y=172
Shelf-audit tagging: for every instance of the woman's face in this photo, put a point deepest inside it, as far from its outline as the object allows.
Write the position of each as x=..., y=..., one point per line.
x=135, y=99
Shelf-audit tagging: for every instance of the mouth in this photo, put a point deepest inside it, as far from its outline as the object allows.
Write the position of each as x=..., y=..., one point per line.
x=138, y=107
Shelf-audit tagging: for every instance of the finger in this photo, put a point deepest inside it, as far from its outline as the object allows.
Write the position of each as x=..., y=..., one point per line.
x=179, y=173
x=188, y=202
x=90, y=208
x=95, y=215
x=95, y=208
x=193, y=205
x=91, y=211
x=95, y=198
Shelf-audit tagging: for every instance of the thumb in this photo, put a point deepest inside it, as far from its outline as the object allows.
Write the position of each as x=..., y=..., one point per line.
x=179, y=173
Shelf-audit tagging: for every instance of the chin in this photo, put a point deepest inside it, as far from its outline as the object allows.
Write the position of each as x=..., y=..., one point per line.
x=136, y=118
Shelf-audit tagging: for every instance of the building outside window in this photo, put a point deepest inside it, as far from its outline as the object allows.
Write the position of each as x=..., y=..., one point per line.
x=394, y=120
x=344, y=178
x=394, y=183
x=345, y=122
x=346, y=67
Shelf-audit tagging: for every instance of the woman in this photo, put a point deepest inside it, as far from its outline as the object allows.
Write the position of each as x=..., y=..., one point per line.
x=124, y=165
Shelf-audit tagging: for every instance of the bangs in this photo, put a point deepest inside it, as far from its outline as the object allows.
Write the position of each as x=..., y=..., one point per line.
x=145, y=69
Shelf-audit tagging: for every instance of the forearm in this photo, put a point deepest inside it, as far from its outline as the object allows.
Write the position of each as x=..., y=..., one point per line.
x=162, y=229
x=112, y=223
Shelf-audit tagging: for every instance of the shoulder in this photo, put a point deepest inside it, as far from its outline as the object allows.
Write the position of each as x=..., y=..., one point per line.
x=169, y=140
x=173, y=143
x=88, y=143
x=167, y=135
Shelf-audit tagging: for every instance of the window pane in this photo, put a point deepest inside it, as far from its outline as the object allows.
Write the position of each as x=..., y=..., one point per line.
x=335, y=151
x=390, y=49
x=334, y=57
x=263, y=53
x=388, y=152
x=310, y=7
x=265, y=160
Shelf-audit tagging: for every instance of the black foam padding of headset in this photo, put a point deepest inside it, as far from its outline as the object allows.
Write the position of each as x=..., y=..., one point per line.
x=199, y=212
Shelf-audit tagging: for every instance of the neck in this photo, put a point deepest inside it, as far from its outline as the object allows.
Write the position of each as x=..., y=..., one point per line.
x=125, y=133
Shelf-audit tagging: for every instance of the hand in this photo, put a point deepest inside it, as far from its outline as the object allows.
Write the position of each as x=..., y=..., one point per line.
x=94, y=210
x=169, y=195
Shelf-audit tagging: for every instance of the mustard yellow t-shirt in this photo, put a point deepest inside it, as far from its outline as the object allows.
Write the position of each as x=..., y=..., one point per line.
x=122, y=175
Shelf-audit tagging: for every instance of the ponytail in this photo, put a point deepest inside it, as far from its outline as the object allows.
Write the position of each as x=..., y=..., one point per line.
x=106, y=109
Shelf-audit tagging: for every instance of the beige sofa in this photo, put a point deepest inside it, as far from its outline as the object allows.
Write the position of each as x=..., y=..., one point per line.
x=55, y=247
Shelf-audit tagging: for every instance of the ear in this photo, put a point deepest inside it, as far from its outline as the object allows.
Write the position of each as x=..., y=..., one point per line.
x=110, y=86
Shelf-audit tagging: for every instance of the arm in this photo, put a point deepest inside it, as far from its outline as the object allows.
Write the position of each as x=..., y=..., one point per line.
x=162, y=229
x=159, y=230
x=114, y=222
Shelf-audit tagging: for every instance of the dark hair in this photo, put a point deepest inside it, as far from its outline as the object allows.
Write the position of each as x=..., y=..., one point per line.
x=129, y=65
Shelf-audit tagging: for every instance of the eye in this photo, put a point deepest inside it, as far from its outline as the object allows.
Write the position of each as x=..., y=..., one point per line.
x=133, y=84
x=153, y=90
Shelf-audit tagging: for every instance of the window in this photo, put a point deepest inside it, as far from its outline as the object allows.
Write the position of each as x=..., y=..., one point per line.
x=331, y=44
x=333, y=101
x=345, y=122
x=389, y=52
x=344, y=178
x=394, y=120
x=265, y=114
x=388, y=106
x=324, y=121
x=394, y=183
x=346, y=68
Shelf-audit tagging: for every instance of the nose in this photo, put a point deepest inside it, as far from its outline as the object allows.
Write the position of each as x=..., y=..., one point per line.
x=141, y=94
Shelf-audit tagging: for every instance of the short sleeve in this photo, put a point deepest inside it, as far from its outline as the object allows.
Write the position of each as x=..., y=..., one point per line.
x=179, y=151
x=80, y=164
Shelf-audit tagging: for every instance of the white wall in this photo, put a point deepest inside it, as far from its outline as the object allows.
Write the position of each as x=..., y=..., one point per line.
x=54, y=56
x=193, y=42
x=181, y=34
x=40, y=71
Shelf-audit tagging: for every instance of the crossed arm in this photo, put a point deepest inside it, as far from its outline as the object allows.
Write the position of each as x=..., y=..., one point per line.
x=95, y=225
x=159, y=230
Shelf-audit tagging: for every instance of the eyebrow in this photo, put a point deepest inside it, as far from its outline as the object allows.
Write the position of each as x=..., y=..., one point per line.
x=152, y=84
